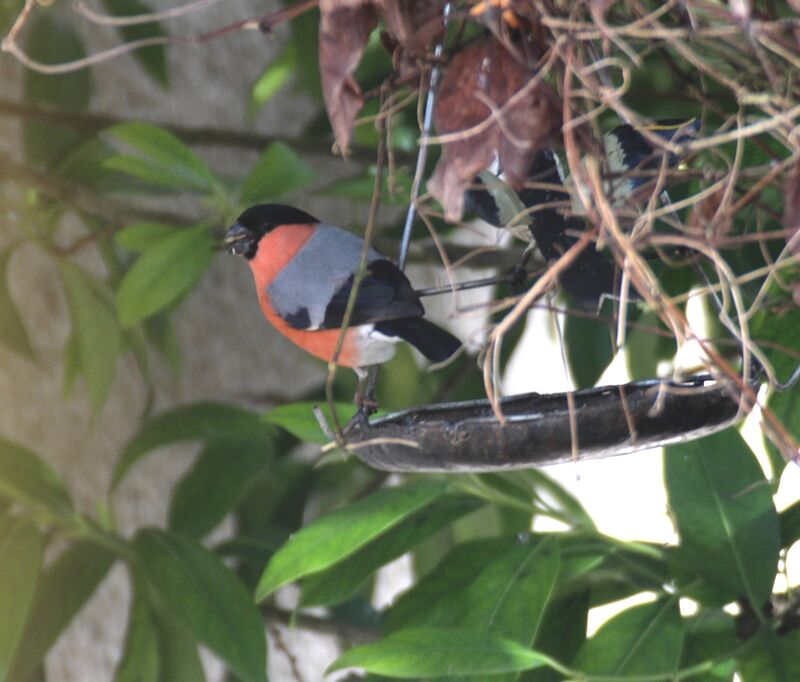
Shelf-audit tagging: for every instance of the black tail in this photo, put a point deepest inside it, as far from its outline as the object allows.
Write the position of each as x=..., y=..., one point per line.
x=433, y=342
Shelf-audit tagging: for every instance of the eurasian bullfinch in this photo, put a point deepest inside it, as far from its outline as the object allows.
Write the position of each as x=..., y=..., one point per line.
x=632, y=162
x=591, y=274
x=304, y=271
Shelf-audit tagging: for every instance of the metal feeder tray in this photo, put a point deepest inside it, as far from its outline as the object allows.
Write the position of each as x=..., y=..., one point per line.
x=610, y=420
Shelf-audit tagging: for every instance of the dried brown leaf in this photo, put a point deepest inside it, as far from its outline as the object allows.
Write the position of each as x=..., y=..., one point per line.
x=485, y=86
x=344, y=30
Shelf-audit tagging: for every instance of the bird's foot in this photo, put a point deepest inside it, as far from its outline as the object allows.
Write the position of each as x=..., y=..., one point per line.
x=518, y=279
x=365, y=390
x=360, y=419
x=366, y=406
x=518, y=275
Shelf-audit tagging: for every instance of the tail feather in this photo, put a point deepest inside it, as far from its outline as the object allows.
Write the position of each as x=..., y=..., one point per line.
x=433, y=342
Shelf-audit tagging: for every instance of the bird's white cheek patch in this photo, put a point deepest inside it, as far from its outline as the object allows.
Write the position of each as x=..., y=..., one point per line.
x=374, y=348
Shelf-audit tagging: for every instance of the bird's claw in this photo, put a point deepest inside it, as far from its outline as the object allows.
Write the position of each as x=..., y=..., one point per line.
x=360, y=419
x=366, y=406
x=517, y=278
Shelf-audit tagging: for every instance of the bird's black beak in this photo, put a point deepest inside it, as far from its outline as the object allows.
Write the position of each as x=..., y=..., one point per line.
x=239, y=240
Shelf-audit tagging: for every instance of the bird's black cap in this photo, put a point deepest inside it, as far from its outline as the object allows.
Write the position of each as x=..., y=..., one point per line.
x=243, y=236
x=262, y=218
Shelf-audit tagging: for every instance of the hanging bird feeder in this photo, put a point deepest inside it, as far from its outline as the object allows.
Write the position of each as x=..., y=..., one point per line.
x=547, y=429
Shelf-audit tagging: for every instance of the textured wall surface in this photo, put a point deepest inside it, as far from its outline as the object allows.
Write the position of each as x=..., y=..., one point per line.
x=228, y=351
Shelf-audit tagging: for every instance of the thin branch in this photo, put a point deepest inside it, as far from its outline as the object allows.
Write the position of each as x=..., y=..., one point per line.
x=359, y=276
x=110, y=20
x=264, y=24
x=95, y=122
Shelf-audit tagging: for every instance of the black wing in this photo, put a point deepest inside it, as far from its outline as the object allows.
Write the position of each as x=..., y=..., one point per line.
x=384, y=294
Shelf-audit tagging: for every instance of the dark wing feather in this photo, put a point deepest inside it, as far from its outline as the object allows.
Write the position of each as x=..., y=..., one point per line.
x=384, y=294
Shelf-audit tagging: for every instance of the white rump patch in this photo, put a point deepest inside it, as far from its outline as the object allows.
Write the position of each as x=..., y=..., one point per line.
x=375, y=348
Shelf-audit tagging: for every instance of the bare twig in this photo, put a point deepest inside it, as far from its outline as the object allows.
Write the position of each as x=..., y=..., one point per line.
x=135, y=20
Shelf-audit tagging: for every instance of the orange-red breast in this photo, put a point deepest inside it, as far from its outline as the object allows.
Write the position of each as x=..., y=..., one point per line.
x=304, y=271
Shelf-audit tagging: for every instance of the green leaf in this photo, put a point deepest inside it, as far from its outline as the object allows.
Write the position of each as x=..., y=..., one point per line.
x=163, y=159
x=644, y=640
x=338, y=535
x=624, y=572
x=510, y=596
x=589, y=349
x=703, y=591
x=216, y=482
x=299, y=420
x=772, y=659
x=429, y=601
x=96, y=332
x=645, y=347
x=253, y=551
x=278, y=171
x=276, y=75
x=12, y=331
x=26, y=478
x=199, y=422
x=711, y=634
x=204, y=595
x=505, y=594
x=177, y=649
x=64, y=587
x=140, y=658
x=561, y=634
x=83, y=165
x=163, y=274
x=140, y=237
x=582, y=554
x=292, y=62
x=53, y=41
x=725, y=515
x=152, y=59
x=157, y=647
x=21, y=548
x=342, y=580
x=440, y=652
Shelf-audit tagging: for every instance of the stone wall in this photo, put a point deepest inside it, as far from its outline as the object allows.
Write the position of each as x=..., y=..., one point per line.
x=228, y=351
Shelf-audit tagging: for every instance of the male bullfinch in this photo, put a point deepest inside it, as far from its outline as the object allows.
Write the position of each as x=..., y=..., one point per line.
x=304, y=271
